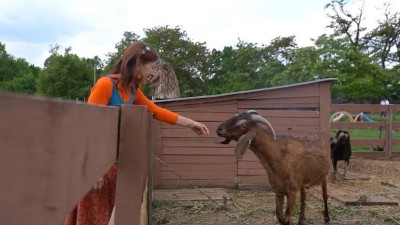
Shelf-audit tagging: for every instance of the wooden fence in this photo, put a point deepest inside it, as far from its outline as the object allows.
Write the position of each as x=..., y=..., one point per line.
x=387, y=125
x=51, y=154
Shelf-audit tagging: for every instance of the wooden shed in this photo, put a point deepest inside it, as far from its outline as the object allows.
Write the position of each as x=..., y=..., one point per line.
x=298, y=110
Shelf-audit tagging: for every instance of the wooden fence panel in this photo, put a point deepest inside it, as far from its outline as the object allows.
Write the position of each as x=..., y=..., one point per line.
x=131, y=207
x=51, y=154
x=387, y=125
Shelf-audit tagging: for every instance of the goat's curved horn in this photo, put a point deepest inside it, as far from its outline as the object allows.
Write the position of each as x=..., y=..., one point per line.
x=252, y=111
x=259, y=119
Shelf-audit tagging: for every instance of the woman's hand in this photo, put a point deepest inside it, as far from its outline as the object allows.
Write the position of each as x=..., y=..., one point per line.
x=199, y=128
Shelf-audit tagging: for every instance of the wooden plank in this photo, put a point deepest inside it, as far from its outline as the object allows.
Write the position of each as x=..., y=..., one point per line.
x=197, y=151
x=173, y=184
x=288, y=113
x=388, y=133
x=249, y=165
x=205, y=142
x=294, y=121
x=181, y=132
x=287, y=92
x=201, y=167
x=264, y=105
x=395, y=108
x=215, y=159
x=51, y=155
x=367, y=142
x=207, y=116
x=155, y=140
x=294, y=130
x=212, y=126
x=396, y=125
x=368, y=155
x=359, y=108
x=325, y=109
x=358, y=125
x=265, y=187
x=274, y=101
x=132, y=184
x=395, y=154
x=350, y=198
x=395, y=142
x=202, y=101
x=251, y=172
x=255, y=179
x=213, y=107
x=249, y=156
x=199, y=175
x=278, y=92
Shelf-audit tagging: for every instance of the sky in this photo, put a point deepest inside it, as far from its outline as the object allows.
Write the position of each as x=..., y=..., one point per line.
x=92, y=27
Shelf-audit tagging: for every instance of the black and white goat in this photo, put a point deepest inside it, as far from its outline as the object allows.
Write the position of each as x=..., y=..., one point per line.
x=341, y=150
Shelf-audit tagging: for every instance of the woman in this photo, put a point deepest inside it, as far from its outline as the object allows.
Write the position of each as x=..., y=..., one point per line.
x=137, y=65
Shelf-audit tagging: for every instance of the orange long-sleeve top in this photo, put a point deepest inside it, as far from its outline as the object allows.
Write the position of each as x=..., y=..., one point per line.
x=102, y=91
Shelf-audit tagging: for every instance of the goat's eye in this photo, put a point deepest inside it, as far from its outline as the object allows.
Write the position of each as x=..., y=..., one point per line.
x=243, y=126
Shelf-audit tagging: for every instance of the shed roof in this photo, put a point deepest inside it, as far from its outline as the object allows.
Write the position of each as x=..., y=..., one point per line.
x=245, y=92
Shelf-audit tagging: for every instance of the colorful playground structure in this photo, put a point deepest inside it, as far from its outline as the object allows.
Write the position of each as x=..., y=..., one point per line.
x=358, y=118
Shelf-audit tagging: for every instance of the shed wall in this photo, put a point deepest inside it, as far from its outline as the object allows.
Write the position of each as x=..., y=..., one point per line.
x=294, y=110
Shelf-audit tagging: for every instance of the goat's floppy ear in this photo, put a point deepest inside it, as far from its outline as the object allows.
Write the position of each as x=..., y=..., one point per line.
x=243, y=143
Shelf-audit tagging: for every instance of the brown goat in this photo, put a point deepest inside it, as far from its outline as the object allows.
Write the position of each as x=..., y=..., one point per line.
x=291, y=164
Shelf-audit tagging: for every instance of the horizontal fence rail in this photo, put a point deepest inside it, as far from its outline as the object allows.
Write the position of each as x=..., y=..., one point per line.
x=385, y=126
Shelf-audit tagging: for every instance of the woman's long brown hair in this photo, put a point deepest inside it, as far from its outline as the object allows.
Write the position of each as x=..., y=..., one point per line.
x=128, y=66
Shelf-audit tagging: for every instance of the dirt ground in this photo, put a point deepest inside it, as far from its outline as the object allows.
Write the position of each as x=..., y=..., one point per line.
x=382, y=180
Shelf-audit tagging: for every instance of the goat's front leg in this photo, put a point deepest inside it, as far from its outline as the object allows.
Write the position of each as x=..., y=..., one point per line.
x=302, y=206
x=334, y=164
x=291, y=201
x=279, y=200
x=325, y=196
x=346, y=165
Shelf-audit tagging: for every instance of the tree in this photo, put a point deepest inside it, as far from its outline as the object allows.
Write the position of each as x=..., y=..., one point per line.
x=344, y=23
x=360, y=77
x=305, y=65
x=383, y=40
x=16, y=75
x=188, y=58
x=66, y=76
x=128, y=39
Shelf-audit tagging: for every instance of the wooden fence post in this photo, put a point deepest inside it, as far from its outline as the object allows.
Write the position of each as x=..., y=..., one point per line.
x=389, y=129
x=131, y=206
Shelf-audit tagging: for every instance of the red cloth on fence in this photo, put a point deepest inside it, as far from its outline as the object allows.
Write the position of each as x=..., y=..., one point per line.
x=96, y=207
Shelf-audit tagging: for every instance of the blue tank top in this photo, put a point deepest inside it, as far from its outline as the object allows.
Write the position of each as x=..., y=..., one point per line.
x=115, y=99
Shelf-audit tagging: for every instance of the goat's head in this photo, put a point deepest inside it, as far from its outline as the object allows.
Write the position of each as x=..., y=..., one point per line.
x=342, y=136
x=241, y=128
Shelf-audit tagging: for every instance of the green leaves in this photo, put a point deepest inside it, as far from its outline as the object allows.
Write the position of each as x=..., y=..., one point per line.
x=16, y=75
x=66, y=76
x=366, y=64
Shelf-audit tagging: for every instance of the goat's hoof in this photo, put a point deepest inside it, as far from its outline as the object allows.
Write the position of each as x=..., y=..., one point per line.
x=327, y=220
x=285, y=222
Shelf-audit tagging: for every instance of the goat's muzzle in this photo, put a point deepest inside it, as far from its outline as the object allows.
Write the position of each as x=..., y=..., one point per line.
x=220, y=133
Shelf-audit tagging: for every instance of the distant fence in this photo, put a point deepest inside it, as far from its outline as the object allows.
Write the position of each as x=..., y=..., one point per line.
x=52, y=153
x=387, y=125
